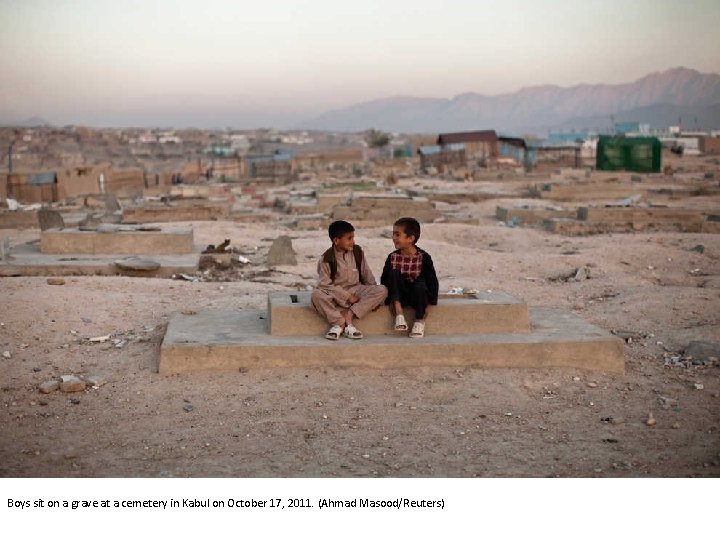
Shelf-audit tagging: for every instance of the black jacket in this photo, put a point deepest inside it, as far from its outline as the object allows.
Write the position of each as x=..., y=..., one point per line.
x=427, y=274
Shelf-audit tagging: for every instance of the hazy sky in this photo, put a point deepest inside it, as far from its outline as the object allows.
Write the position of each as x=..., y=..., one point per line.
x=217, y=63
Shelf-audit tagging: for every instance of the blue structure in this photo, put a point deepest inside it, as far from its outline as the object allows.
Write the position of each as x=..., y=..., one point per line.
x=627, y=127
x=562, y=138
x=222, y=150
x=42, y=179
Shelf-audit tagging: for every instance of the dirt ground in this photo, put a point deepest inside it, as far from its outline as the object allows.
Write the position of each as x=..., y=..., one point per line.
x=430, y=422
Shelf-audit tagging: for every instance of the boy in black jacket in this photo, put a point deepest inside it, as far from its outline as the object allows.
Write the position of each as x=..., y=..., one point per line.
x=409, y=276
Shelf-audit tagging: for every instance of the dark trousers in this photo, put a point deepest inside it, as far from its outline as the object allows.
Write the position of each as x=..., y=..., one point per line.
x=410, y=293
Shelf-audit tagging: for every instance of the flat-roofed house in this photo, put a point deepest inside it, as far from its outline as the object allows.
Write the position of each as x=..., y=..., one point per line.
x=479, y=145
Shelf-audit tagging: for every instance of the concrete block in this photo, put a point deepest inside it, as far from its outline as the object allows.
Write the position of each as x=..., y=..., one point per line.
x=530, y=216
x=291, y=314
x=165, y=214
x=631, y=214
x=231, y=340
x=26, y=219
x=169, y=241
x=27, y=260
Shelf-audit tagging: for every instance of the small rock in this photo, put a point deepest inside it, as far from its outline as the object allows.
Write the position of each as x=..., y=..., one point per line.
x=96, y=380
x=188, y=407
x=576, y=379
x=137, y=263
x=699, y=386
x=667, y=402
x=7, y=354
x=75, y=401
x=676, y=425
x=628, y=335
x=48, y=386
x=592, y=385
x=582, y=274
x=699, y=248
x=71, y=383
x=55, y=281
x=650, y=420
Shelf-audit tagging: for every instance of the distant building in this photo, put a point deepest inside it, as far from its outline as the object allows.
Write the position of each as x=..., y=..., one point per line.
x=479, y=145
x=562, y=138
x=638, y=154
x=710, y=145
x=279, y=165
x=513, y=147
x=440, y=157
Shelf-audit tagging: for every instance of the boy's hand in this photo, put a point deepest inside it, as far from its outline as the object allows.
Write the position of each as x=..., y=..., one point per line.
x=353, y=299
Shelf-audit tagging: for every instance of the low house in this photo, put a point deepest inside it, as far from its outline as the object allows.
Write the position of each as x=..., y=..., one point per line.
x=710, y=145
x=279, y=165
x=479, y=145
x=32, y=188
x=514, y=148
x=440, y=157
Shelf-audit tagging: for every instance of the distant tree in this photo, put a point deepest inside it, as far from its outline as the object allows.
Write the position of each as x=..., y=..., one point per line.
x=376, y=138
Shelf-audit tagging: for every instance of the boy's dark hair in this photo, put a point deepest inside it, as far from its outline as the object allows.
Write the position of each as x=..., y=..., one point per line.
x=411, y=226
x=339, y=228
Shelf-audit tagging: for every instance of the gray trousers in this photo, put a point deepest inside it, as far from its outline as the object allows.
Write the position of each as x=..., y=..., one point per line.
x=371, y=296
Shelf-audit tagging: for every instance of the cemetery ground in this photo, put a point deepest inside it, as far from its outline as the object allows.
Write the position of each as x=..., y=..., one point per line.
x=658, y=290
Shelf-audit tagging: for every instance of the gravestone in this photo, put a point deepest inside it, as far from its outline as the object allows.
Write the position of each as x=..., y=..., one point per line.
x=50, y=219
x=111, y=203
x=281, y=252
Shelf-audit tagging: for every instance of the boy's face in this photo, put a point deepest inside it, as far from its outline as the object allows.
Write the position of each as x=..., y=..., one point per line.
x=400, y=239
x=344, y=242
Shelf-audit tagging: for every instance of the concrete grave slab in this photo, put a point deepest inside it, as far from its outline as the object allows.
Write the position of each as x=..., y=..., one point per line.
x=291, y=314
x=27, y=260
x=165, y=214
x=531, y=216
x=123, y=241
x=230, y=340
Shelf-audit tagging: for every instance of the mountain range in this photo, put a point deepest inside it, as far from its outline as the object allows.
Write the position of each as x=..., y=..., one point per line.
x=659, y=99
